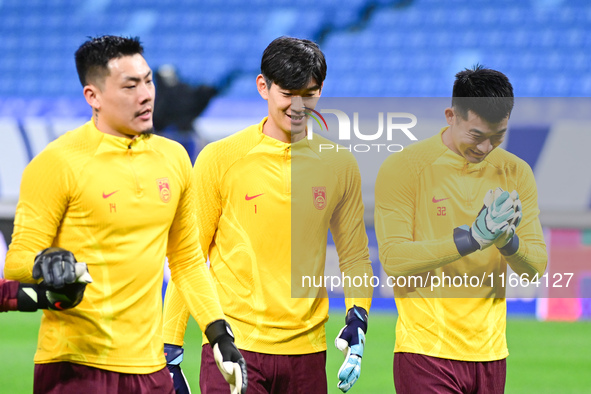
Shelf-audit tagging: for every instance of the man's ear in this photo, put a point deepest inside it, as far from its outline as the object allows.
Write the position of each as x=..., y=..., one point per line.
x=262, y=87
x=92, y=94
x=450, y=116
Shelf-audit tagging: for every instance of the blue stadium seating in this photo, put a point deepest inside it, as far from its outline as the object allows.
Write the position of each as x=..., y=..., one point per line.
x=370, y=44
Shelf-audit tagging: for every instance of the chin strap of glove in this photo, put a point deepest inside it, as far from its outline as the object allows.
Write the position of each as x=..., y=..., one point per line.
x=227, y=357
x=351, y=341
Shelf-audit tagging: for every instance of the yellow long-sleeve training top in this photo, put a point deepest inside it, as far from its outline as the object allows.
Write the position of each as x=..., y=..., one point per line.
x=121, y=206
x=264, y=208
x=422, y=194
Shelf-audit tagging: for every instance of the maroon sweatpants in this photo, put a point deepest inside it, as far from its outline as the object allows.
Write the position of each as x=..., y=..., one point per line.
x=8, y=292
x=269, y=373
x=417, y=373
x=70, y=378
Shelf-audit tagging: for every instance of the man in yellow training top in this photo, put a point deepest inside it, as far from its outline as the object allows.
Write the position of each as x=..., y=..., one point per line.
x=113, y=195
x=426, y=197
x=266, y=198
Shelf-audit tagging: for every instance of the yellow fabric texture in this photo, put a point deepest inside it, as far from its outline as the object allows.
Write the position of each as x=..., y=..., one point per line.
x=253, y=242
x=422, y=194
x=121, y=207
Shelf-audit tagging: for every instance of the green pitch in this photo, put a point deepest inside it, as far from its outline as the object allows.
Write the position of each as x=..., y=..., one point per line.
x=545, y=357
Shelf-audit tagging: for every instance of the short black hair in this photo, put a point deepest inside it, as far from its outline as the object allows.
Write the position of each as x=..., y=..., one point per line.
x=93, y=56
x=486, y=92
x=291, y=63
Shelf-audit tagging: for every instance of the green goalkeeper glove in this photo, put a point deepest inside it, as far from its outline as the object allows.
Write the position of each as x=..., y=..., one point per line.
x=351, y=341
x=491, y=222
x=508, y=242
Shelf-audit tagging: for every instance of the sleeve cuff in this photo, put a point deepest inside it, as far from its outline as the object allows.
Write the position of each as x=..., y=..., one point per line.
x=173, y=354
x=511, y=247
x=464, y=241
x=217, y=330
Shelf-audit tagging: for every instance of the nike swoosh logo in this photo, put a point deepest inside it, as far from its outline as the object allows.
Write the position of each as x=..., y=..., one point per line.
x=436, y=201
x=110, y=194
x=250, y=198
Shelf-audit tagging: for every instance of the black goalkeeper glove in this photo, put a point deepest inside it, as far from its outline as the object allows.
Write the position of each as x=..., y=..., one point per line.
x=32, y=297
x=227, y=357
x=44, y=296
x=56, y=266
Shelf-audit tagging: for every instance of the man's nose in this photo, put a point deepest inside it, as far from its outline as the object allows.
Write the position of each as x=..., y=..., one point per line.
x=146, y=93
x=485, y=146
x=297, y=104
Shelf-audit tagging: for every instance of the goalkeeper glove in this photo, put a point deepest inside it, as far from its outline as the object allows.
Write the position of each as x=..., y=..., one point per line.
x=508, y=242
x=174, y=356
x=490, y=224
x=351, y=341
x=56, y=266
x=31, y=297
x=227, y=357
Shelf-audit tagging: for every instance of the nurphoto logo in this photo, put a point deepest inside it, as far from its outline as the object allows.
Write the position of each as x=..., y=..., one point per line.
x=348, y=130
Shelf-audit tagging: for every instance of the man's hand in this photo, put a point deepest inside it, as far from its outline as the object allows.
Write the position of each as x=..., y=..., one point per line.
x=351, y=341
x=56, y=266
x=227, y=357
x=507, y=236
x=174, y=356
x=493, y=219
x=495, y=224
x=41, y=296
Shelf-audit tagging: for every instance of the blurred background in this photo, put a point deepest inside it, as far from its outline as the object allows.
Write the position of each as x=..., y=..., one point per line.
x=206, y=55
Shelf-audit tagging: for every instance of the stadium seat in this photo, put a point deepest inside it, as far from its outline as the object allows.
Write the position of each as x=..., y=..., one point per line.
x=527, y=39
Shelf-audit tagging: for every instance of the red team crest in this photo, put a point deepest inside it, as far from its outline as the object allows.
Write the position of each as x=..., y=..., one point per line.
x=319, y=197
x=164, y=189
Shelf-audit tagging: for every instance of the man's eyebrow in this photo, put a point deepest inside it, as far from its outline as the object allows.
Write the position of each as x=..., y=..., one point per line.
x=136, y=79
x=482, y=132
x=298, y=92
